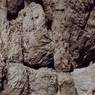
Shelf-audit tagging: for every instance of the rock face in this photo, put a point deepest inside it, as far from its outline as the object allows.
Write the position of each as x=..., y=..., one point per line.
x=26, y=81
x=85, y=80
x=46, y=47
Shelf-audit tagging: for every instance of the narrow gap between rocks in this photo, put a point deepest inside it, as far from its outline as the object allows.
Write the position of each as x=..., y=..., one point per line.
x=3, y=78
x=50, y=59
x=49, y=24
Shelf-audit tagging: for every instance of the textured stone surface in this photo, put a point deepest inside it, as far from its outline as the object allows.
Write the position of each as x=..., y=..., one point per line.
x=42, y=42
x=61, y=37
x=27, y=38
x=25, y=81
x=36, y=40
x=11, y=42
x=85, y=80
x=66, y=84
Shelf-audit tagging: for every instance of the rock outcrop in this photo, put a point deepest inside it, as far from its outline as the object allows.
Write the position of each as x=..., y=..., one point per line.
x=47, y=47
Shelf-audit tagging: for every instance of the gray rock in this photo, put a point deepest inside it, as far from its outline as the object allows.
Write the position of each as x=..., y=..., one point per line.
x=11, y=42
x=61, y=35
x=26, y=81
x=43, y=82
x=85, y=80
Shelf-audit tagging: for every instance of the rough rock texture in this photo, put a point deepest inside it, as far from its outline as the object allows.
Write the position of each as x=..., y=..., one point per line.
x=85, y=80
x=25, y=81
x=47, y=47
x=36, y=40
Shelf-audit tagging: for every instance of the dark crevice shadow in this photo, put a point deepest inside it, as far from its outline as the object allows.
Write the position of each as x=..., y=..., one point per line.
x=85, y=59
x=11, y=16
x=49, y=24
x=38, y=66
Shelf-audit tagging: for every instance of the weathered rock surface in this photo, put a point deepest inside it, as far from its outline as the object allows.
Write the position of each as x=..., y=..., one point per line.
x=25, y=81
x=36, y=40
x=42, y=42
x=66, y=84
x=85, y=80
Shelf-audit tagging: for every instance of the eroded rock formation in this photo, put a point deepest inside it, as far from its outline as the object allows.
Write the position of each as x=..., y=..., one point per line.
x=47, y=47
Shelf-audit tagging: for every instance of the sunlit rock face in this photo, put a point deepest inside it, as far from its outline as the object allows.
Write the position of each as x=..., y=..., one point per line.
x=47, y=47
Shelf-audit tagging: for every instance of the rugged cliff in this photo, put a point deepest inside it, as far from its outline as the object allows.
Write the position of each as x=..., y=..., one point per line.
x=47, y=47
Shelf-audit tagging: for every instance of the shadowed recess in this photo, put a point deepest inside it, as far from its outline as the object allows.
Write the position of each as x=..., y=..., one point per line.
x=14, y=15
x=37, y=66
